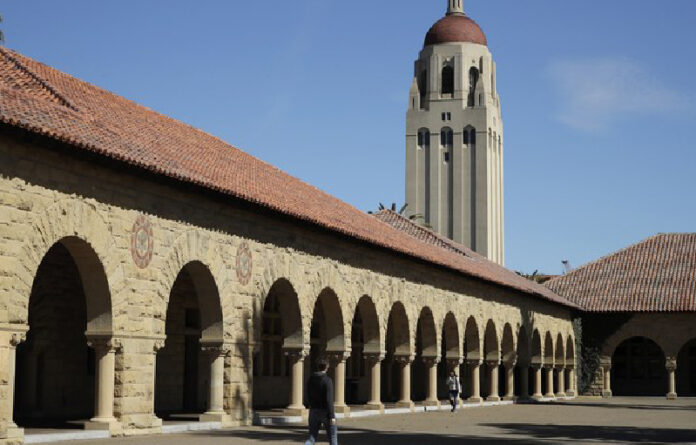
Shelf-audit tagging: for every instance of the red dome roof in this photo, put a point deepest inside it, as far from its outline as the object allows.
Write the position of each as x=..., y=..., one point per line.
x=455, y=28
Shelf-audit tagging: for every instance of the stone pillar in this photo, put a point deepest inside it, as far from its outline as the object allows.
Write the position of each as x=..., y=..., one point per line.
x=606, y=370
x=431, y=365
x=537, y=395
x=671, y=365
x=571, y=392
x=9, y=432
x=524, y=381
x=475, y=366
x=549, y=382
x=216, y=388
x=560, y=376
x=105, y=357
x=338, y=361
x=373, y=361
x=405, y=395
x=296, y=407
x=510, y=380
x=494, y=393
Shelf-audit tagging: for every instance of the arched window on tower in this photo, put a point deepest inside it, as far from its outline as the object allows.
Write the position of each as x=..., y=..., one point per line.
x=473, y=81
x=447, y=81
x=446, y=142
x=423, y=86
x=423, y=138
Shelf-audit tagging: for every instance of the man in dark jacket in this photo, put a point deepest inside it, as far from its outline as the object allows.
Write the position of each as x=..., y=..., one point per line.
x=320, y=394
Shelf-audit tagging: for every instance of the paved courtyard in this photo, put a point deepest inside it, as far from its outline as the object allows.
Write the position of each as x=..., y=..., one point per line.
x=585, y=420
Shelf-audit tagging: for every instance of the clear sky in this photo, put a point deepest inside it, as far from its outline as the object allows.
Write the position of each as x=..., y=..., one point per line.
x=599, y=98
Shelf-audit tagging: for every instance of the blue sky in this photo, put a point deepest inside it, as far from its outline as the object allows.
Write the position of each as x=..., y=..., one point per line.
x=599, y=102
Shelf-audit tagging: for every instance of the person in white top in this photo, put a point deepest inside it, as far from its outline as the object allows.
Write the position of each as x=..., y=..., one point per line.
x=454, y=389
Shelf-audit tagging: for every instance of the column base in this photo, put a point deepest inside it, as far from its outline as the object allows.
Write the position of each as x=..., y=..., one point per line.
x=570, y=393
x=435, y=403
x=550, y=395
x=409, y=404
x=375, y=407
x=109, y=424
x=493, y=399
x=537, y=397
x=474, y=400
x=672, y=396
x=510, y=398
x=343, y=409
x=215, y=416
x=606, y=393
x=295, y=411
x=12, y=435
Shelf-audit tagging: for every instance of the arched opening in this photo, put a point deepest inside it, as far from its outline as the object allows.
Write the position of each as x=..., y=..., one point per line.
x=524, y=360
x=686, y=370
x=472, y=354
x=473, y=82
x=491, y=351
x=55, y=367
x=364, y=340
x=194, y=317
x=423, y=87
x=508, y=357
x=426, y=348
x=638, y=368
x=559, y=361
x=448, y=81
x=570, y=362
x=326, y=332
x=281, y=330
x=548, y=364
x=397, y=345
x=451, y=355
x=537, y=360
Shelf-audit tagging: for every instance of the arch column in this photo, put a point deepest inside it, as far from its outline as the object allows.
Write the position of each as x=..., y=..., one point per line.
x=9, y=431
x=537, y=395
x=605, y=364
x=570, y=369
x=296, y=407
x=475, y=366
x=560, y=376
x=510, y=379
x=338, y=362
x=671, y=365
x=549, y=381
x=374, y=361
x=494, y=393
x=105, y=355
x=216, y=389
x=431, y=363
x=404, y=362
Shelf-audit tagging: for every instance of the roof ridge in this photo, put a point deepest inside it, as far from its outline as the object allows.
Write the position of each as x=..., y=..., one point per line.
x=38, y=79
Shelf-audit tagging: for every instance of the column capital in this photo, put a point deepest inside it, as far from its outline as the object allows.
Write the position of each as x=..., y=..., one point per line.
x=559, y=366
x=454, y=362
x=536, y=366
x=493, y=363
x=671, y=364
x=404, y=359
x=105, y=344
x=216, y=349
x=15, y=338
x=336, y=357
x=295, y=354
x=510, y=363
x=474, y=362
x=373, y=357
x=431, y=361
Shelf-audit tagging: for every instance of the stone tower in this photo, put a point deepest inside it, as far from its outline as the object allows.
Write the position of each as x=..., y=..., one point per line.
x=454, y=136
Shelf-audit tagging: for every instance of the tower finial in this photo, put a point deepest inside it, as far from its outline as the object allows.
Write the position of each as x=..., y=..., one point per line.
x=455, y=7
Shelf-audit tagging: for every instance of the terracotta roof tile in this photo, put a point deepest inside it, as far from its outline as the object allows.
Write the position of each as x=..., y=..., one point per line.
x=655, y=275
x=45, y=101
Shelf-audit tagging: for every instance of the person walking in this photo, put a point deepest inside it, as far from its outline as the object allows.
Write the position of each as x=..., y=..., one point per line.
x=320, y=394
x=455, y=388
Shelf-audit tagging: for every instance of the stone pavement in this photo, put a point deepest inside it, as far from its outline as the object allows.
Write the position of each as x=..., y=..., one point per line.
x=585, y=420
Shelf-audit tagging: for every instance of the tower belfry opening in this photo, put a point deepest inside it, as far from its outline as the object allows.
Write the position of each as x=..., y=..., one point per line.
x=457, y=186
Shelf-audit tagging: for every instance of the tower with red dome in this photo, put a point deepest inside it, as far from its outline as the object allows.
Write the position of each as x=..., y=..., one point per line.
x=454, y=136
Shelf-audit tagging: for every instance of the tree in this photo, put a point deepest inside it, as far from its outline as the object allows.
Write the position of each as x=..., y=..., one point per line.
x=416, y=217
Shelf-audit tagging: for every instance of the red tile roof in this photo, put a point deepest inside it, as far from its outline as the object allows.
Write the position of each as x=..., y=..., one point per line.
x=455, y=28
x=43, y=100
x=655, y=275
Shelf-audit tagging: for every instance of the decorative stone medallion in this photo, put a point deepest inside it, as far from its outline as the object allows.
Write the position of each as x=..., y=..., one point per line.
x=244, y=263
x=142, y=241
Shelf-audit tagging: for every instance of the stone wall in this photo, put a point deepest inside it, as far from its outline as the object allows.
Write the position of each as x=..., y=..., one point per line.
x=92, y=207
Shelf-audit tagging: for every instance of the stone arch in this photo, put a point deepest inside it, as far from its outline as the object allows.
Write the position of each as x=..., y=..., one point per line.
x=686, y=369
x=560, y=350
x=548, y=349
x=570, y=351
x=398, y=327
x=537, y=357
x=198, y=254
x=638, y=368
x=472, y=342
x=523, y=347
x=333, y=326
x=627, y=332
x=491, y=345
x=371, y=328
x=450, y=337
x=507, y=346
x=82, y=230
x=291, y=316
x=428, y=333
